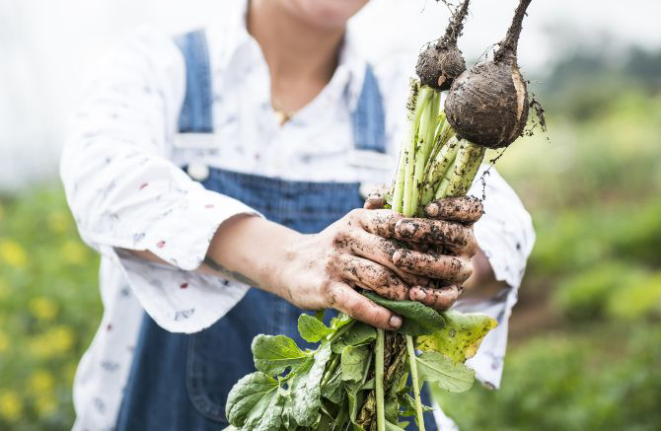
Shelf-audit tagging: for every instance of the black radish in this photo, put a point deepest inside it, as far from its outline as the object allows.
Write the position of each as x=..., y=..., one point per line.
x=441, y=62
x=488, y=104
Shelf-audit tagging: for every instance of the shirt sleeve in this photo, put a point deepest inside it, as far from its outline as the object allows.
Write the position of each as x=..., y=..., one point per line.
x=125, y=193
x=505, y=233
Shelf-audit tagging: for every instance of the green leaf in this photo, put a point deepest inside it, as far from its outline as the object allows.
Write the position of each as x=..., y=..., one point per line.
x=358, y=334
x=305, y=388
x=312, y=329
x=255, y=403
x=340, y=321
x=434, y=367
x=355, y=398
x=418, y=318
x=355, y=360
x=333, y=390
x=391, y=409
x=461, y=336
x=407, y=403
x=274, y=354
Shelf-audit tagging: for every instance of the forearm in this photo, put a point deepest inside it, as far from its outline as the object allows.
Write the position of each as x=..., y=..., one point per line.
x=247, y=249
x=251, y=250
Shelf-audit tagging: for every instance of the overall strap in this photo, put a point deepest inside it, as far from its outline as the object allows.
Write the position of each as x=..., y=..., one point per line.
x=369, y=118
x=196, y=112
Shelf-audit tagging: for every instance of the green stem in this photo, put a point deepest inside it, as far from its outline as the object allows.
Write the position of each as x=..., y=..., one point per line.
x=409, y=206
x=379, y=354
x=411, y=105
x=440, y=139
x=342, y=330
x=426, y=133
x=468, y=162
x=438, y=170
x=331, y=369
x=416, y=383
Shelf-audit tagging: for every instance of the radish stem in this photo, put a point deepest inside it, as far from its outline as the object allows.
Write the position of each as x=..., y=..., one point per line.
x=405, y=154
x=409, y=206
x=468, y=162
x=416, y=383
x=438, y=170
x=379, y=353
x=426, y=134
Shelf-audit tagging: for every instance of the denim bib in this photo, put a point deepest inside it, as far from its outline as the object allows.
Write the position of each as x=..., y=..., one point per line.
x=180, y=382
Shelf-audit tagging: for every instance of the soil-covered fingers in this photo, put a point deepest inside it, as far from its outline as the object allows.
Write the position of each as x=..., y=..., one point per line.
x=438, y=232
x=378, y=221
x=381, y=250
x=376, y=198
x=452, y=269
x=343, y=298
x=372, y=276
x=439, y=299
x=467, y=209
x=374, y=202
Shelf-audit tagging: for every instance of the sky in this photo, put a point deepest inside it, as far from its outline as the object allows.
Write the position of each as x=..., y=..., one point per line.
x=47, y=46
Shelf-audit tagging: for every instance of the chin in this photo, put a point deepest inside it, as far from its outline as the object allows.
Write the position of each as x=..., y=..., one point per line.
x=325, y=13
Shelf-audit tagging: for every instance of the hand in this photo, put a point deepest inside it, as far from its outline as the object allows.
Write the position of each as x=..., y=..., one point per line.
x=322, y=270
x=449, y=228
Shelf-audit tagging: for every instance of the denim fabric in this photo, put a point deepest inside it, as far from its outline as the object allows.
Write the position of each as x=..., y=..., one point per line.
x=181, y=382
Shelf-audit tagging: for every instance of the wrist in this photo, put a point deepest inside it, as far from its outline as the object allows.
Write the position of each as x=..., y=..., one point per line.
x=255, y=248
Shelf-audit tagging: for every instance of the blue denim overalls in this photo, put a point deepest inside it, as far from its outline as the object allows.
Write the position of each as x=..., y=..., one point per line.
x=180, y=382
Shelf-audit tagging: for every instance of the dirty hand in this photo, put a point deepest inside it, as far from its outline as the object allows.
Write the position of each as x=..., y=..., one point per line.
x=322, y=270
x=449, y=228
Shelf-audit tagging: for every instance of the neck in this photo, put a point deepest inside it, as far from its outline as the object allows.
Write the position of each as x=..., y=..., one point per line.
x=293, y=49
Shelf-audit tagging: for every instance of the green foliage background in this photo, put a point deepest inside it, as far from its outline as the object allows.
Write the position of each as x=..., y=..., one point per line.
x=585, y=349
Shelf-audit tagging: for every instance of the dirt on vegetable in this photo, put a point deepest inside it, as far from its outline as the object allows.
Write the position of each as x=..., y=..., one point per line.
x=488, y=104
x=441, y=62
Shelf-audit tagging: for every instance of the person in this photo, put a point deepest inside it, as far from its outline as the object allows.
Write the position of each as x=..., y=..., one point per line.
x=238, y=156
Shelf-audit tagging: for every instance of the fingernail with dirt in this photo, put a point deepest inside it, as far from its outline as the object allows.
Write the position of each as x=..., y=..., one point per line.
x=395, y=322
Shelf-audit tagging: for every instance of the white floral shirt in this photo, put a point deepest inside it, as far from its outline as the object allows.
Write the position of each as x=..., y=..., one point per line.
x=121, y=171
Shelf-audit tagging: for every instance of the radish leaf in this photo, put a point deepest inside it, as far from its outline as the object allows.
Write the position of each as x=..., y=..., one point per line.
x=461, y=336
x=255, y=403
x=434, y=367
x=304, y=400
x=275, y=354
x=354, y=362
x=358, y=334
x=312, y=329
x=418, y=318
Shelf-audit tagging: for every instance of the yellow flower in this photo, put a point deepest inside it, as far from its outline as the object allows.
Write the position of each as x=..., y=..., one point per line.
x=74, y=252
x=41, y=382
x=62, y=338
x=54, y=342
x=58, y=222
x=13, y=253
x=4, y=342
x=45, y=405
x=43, y=308
x=11, y=407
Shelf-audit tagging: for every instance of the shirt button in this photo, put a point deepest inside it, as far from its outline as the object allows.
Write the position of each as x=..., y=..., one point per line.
x=198, y=172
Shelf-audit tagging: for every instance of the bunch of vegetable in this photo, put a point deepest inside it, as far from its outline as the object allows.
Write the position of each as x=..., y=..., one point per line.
x=362, y=378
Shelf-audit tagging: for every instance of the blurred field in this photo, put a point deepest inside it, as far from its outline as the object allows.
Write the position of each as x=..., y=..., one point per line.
x=586, y=340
